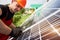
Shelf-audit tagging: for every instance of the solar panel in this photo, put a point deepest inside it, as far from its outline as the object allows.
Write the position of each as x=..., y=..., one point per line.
x=44, y=24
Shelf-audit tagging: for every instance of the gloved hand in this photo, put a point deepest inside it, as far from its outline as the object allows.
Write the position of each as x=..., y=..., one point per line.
x=16, y=32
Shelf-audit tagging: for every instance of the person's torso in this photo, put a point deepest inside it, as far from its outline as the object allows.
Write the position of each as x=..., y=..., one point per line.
x=6, y=17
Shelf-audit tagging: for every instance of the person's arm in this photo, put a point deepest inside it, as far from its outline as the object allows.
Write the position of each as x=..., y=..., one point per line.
x=12, y=26
x=4, y=29
x=8, y=31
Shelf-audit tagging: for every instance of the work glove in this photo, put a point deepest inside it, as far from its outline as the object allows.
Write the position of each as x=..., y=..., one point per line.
x=16, y=32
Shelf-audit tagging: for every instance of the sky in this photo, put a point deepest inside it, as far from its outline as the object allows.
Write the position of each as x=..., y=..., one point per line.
x=29, y=2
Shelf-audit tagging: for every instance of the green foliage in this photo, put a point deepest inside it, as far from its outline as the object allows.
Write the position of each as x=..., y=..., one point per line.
x=23, y=18
x=20, y=17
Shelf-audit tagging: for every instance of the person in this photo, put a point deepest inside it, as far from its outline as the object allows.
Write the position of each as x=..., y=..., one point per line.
x=7, y=28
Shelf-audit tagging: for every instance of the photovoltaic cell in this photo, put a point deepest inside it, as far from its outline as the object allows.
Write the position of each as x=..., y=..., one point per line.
x=45, y=28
